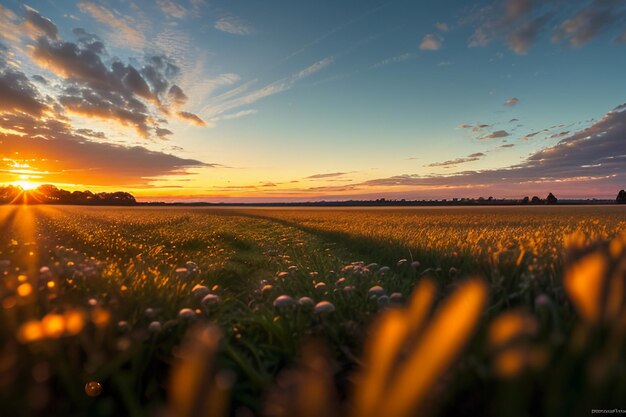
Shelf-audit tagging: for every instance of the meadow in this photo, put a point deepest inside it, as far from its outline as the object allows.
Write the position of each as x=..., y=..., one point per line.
x=513, y=311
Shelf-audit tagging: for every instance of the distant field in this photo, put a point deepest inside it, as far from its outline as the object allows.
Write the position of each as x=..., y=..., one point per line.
x=99, y=294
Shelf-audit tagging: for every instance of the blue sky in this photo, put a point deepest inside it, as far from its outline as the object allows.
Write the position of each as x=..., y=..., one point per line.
x=399, y=98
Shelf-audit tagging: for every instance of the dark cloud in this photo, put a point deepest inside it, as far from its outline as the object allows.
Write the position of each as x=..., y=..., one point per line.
x=163, y=133
x=91, y=133
x=18, y=94
x=559, y=135
x=326, y=175
x=595, y=18
x=523, y=37
x=507, y=145
x=190, y=117
x=470, y=158
x=39, y=79
x=117, y=91
x=521, y=22
x=592, y=154
x=518, y=8
x=36, y=25
x=495, y=135
x=89, y=41
x=176, y=96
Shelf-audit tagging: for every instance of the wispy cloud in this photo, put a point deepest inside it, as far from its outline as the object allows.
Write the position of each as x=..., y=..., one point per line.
x=453, y=162
x=398, y=58
x=124, y=31
x=511, y=101
x=241, y=96
x=326, y=175
x=172, y=9
x=234, y=26
x=442, y=26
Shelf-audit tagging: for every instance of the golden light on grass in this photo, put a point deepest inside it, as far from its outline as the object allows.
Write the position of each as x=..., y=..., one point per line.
x=584, y=282
x=53, y=325
x=31, y=331
x=193, y=388
x=388, y=337
x=509, y=338
x=24, y=290
x=418, y=355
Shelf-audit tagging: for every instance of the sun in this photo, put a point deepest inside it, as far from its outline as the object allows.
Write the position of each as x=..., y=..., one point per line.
x=26, y=185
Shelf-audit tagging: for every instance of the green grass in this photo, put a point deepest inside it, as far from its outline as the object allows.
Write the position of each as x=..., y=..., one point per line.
x=124, y=261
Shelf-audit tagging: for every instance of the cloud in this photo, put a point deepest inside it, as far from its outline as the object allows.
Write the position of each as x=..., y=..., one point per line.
x=117, y=91
x=464, y=126
x=190, y=117
x=124, y=30
x=442, y=26
x=523, y=37
x=585, y=157
x=559, y=134
x=162, y=133
x=507, y=145
x=520, y=22
x=240, y=96
x=236, y=115
x=393, y=60
x=495, y=135
x=48, y=150
x=470, y=158
x=589, y=22
x=518, y=8
x=172, y=9
x=233, y=26
x=36, y=25
x=479, y=127
x=18, y=94
x=511, y=101
x=9, y=28
x=326, y=175
x=431, y=42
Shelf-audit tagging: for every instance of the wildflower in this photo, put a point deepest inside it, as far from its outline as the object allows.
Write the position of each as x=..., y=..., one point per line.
x=396, y=298
x=284, y=301
x=186, y=314
x=324, y=307
x=376, y=291
x=199, y=291
x=154, y=327
x=306, y=302
x=210, y=300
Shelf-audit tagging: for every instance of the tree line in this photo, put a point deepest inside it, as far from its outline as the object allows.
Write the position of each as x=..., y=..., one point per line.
x=49, y=194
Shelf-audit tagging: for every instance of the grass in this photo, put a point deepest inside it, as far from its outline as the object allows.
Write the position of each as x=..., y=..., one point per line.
x=120, y=270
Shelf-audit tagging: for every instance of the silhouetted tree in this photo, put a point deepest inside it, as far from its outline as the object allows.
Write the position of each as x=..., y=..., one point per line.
x=525, y=200
x=551, y=199
x=535, y=200
x=621, y=197
x=49, y=194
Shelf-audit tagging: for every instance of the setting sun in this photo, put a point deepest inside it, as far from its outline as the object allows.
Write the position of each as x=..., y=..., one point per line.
x=26, y=185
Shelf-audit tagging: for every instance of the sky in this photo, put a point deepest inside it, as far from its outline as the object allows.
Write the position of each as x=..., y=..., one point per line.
x=248, y=101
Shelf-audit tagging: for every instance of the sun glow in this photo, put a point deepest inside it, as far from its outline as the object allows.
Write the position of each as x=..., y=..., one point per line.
x=25, y=185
